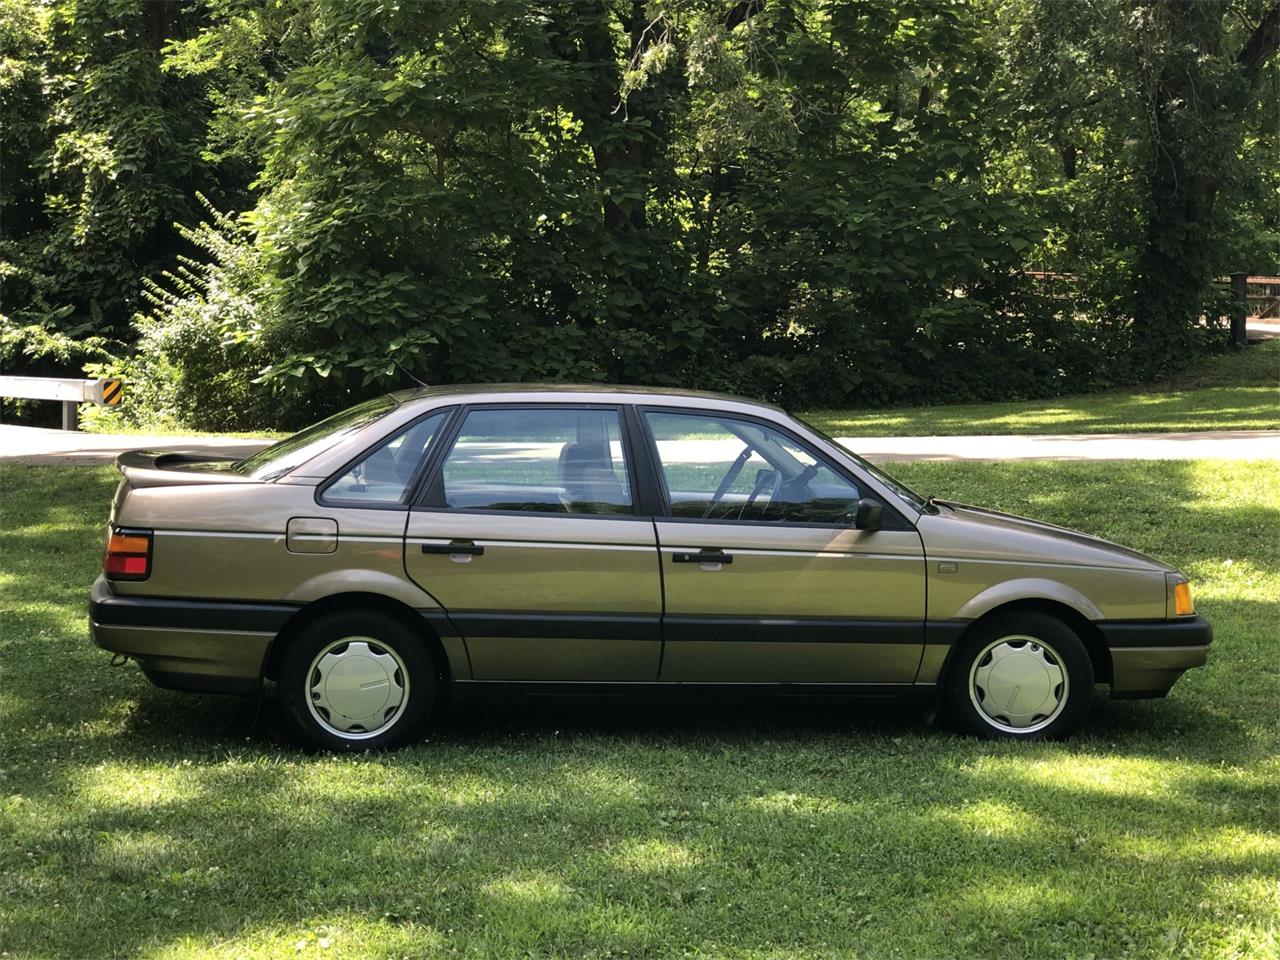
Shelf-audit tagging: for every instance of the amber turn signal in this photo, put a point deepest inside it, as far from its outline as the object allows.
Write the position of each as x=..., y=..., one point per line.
x=1182, y=605
x=128, y=543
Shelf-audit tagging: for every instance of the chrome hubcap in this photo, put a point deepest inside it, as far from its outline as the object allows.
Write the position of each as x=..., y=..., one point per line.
x=357, y=687
x=1018, y=684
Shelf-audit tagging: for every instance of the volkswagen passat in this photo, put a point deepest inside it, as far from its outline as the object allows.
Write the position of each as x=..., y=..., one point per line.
x=580, y=539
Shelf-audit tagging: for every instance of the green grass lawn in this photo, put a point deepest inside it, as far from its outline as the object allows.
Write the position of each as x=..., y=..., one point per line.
x=136, y=822
x=1235, y=391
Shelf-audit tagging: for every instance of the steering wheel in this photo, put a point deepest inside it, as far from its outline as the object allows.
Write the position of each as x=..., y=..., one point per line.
x=791, y=490
x=734, y=469
x=799, y=484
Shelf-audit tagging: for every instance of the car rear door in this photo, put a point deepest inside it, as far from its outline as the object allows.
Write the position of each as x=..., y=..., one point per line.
x=766, y=578
x=528, y=535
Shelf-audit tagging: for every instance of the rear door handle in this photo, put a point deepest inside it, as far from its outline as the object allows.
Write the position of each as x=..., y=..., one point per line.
x=457, y=546
x=702, y=556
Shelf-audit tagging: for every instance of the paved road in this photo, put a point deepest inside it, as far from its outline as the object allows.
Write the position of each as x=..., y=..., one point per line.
x=35, y=446
x=1205, y=445
x=1263, y=330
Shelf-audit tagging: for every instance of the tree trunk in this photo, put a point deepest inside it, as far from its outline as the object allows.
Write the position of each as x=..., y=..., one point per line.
x=624, y=136
x=1190, y=143
x=1195, y=134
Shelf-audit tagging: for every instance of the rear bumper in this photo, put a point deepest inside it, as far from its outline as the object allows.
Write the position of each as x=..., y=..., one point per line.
x=1148, y=656
x=205, y=646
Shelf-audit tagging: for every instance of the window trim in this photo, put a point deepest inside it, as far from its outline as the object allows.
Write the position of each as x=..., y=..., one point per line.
x=410, y=490
x=652, y=492
x=893, y=518
x=429, y=497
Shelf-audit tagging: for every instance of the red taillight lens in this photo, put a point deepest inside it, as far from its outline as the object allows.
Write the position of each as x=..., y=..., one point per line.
x=129, y=566
x=128, y=555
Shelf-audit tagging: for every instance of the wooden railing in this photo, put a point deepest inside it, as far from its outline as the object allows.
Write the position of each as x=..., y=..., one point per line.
x=1262, y=299
x=1253, y=297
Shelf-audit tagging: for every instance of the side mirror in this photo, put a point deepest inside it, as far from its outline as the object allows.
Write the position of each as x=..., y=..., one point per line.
x=869, y=514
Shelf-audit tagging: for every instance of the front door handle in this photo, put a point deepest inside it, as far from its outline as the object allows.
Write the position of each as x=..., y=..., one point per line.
x=702, y=556
x=457, y=546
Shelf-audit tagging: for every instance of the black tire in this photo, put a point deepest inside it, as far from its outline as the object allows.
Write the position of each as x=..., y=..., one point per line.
x=1041, y=643
x=395, y=662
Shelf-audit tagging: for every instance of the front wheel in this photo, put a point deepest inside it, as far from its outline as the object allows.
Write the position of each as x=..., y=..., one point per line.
x=1020, y=676
x=356, y=680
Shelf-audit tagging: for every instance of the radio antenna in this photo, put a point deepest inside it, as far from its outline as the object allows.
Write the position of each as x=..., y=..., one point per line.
x=372, y=339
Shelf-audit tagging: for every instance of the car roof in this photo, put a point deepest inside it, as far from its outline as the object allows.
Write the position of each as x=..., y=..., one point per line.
x=479, y=392
x=413, y=403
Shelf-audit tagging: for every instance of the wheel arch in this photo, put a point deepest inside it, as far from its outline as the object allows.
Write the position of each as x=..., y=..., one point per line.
x=1085, y=629
x=401, y=611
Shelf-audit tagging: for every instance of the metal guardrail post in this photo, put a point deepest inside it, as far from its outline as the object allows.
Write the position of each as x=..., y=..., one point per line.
x=70, y=415
x=1239, y=308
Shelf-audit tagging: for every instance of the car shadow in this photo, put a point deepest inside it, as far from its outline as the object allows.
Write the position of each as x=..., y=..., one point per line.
x=194, y=723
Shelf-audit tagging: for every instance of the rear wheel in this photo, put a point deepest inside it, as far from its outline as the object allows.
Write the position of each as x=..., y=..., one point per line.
x=1022, y=676
x=357, y=680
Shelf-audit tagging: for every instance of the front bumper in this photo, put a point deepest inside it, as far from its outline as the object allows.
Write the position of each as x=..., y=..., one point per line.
x=1148, y=656
x=205, y=646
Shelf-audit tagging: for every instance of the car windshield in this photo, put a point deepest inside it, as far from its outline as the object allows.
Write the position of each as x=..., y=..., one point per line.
x=901, y=489
x=279, y=458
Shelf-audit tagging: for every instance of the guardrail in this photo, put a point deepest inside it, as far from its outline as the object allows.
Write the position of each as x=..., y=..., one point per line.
x=72, y=393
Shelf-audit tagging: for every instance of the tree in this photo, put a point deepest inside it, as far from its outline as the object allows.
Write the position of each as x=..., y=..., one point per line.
x=813, y=201
x=1149, y=106
x=1201, y=92
x=102, y=151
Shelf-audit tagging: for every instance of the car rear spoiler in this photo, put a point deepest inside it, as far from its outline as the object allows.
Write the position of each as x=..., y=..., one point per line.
x=165, y=468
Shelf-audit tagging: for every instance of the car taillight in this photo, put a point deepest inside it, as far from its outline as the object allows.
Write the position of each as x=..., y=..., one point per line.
x=128, y=555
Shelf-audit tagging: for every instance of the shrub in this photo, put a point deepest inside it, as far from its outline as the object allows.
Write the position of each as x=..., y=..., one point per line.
x=201, y=347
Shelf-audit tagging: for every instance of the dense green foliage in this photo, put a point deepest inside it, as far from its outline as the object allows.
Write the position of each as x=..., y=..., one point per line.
x=103, y=148
x=137, y=822
x=819, y=203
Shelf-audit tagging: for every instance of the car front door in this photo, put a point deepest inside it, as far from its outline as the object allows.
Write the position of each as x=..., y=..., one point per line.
x=766, y=578
x=528, y=536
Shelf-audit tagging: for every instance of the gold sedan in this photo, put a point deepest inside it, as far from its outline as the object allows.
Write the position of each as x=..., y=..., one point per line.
x=579, y=539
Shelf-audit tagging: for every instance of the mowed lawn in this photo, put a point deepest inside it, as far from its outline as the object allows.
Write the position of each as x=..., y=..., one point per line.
x=1232, y=391
x=136, y=822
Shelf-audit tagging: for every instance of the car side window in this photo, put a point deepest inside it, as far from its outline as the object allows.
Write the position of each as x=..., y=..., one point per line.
x=383, y=475
x=539, y=459
x=722, y=468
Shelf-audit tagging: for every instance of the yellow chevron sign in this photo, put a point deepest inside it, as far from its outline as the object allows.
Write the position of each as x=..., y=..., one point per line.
x=112, y=390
